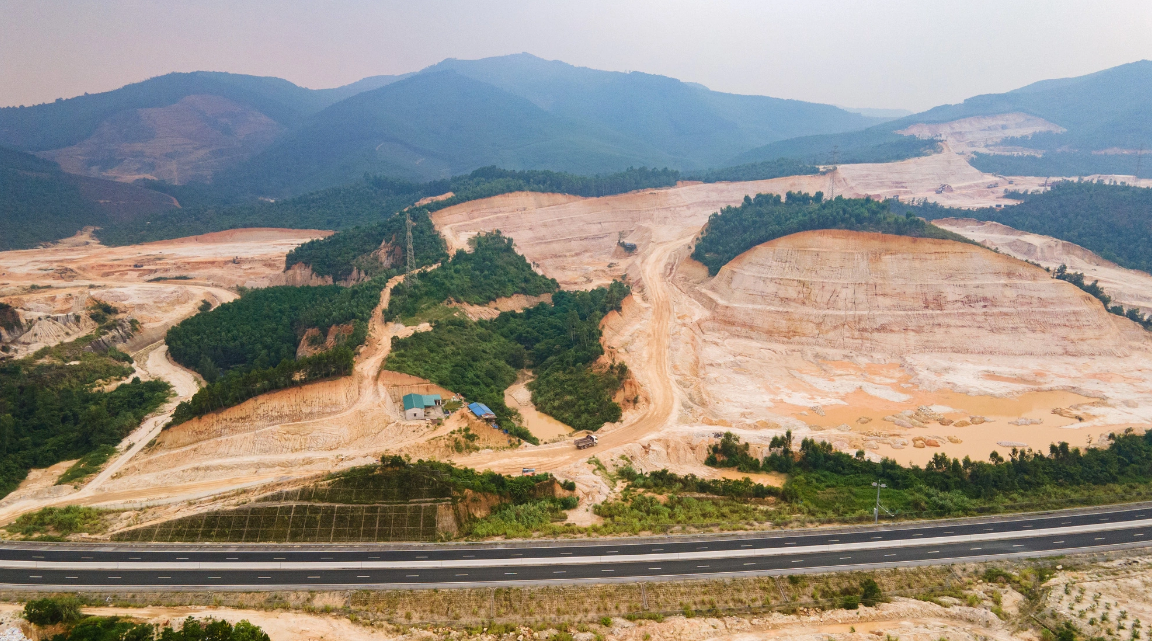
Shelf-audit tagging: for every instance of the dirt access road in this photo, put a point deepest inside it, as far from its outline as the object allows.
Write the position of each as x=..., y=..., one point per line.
x=655, y=378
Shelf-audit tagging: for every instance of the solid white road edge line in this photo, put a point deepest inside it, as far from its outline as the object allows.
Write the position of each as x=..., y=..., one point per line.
x=575, y=560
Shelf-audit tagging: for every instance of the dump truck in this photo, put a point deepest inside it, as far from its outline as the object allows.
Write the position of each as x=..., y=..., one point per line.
x=585, y=442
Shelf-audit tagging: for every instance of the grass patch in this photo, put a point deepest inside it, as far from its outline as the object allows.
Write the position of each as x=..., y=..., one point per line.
x=88, y=464
x=59, y=521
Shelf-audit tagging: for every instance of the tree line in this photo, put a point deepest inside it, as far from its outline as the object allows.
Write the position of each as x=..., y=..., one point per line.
x=560, y=343
x=1115, y=221
x=839, y=484
x=492, y=269
x=734, y=230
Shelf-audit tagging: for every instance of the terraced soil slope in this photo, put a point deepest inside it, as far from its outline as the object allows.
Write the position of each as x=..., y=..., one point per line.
x=899, y=295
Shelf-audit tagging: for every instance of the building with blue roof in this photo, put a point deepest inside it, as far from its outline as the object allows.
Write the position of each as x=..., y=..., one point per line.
x=418, y=407
x=481, y=411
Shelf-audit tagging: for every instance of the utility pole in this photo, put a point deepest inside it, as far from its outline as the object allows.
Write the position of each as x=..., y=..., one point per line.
x=409, y=254
x=1139, y=159
x=876, y=510
x=832, y=174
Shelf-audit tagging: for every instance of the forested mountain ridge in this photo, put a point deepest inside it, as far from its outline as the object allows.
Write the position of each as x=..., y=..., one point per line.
x=699, y=127
x=1115, y=221
x=518, y=112
x=1106, y=110
x=40, y=203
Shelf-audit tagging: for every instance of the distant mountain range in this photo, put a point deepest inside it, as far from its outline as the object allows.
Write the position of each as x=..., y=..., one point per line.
x=1104, y=115
x=519, y=111
x=267, y=136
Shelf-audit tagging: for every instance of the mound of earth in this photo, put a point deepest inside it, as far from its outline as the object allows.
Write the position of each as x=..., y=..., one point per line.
x=899, y=295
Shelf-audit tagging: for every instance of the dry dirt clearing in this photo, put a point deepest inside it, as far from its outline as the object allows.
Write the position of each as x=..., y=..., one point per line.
x=898, y=347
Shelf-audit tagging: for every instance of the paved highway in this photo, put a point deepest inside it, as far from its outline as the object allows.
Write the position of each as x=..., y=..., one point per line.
x=268, y=567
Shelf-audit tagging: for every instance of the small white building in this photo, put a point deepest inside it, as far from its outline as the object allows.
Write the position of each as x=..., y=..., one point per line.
x=418, y=407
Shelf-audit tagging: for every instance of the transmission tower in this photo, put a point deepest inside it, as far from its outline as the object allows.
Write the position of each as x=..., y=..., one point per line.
x=409, y=254
x=832, y=174
x=1139, y=159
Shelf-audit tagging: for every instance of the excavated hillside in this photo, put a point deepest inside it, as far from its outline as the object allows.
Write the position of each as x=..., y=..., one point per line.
x=898, y=295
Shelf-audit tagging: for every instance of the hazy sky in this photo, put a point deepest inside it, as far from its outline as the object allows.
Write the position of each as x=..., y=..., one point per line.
x=889, y=54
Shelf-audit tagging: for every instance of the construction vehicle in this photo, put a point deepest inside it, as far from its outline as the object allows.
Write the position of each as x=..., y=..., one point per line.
x=585, y=442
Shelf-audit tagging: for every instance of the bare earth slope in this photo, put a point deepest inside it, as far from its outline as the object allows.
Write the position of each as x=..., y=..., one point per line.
x=1128, y=287
x=898, y=295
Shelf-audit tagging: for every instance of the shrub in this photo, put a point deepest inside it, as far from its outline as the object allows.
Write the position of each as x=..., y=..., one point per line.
x=50, y=611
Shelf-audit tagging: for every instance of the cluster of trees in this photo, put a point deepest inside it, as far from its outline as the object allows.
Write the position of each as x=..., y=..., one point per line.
x=239, y=385
x=66, y=611
x=560, y=343
x=1076, y=278
x=247, y=347
x=838, y=484
x=491, y=270
x=51, y=411
x=1057, y=163
x=1115, y=221
x=763, y=170
x=356, y=249
x=264, y=326
x=665, y=482
x=734, y=230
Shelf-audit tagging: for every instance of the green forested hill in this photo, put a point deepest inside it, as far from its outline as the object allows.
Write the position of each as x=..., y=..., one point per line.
x=491, y=270
x=1103, y=110
x=39, y=203
x=735, y=230
x=1115, y=221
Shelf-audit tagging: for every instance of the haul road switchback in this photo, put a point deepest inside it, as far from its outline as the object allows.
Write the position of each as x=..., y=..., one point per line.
x=275, y=567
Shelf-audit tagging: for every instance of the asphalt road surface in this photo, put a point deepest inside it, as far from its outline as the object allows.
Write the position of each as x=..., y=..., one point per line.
x=273, y=567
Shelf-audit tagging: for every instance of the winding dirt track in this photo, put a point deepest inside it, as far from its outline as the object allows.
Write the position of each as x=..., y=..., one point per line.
x=655, y=378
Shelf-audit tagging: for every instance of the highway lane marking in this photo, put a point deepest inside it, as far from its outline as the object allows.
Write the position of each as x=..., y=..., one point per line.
x=976, y=548
x=1138, y=534
x=845, y=557
x=268, y=577
x=560, y=572
x=409, y=576
x=751, y=563
x=159, y=577
x=35, y=576
x=745, y=546
x=798, y=561
x=113, y=577
x=311, y=577
x=72, y=577
x=934, y=552
x=211, y=577
x=607, y=570
x=917, y=534
x=655, y=568
x=232, y=558
x=889, y=555
x=363, y=576
x=657, y=549
x=701, y=566
x=791, y=543
x=509, y=573
x=573, y=560
x=1018, y=545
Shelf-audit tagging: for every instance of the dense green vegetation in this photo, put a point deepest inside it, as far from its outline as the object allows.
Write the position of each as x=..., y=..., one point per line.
x=356, y=249
x=58, y=521
x=560, y=343
x=66, y=611
x=1115, y=221
x=491, y=270
x=1062, y=163
x=51, y=410
x=248, y=346
x=828, y=484
x=766, y=217
x=763, y=170
x=264, y=327
x=875, y=144
x=239, y=385
x=38, y=202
